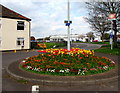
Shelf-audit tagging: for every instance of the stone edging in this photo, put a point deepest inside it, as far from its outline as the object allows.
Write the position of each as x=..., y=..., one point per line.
x=69, y=80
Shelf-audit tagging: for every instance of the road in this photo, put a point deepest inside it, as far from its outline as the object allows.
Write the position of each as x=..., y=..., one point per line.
x=9, y=84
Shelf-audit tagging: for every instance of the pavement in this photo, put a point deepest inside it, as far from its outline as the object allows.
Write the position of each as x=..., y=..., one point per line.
x=109, y=82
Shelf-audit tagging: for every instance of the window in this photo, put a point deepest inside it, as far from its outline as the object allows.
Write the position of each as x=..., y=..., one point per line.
x=20, y=25
x=20, y=41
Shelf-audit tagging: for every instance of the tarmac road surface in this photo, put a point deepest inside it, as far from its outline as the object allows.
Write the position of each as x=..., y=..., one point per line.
x=10, y=85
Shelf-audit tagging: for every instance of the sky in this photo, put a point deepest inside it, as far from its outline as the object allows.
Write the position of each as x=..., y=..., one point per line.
x=47, y=16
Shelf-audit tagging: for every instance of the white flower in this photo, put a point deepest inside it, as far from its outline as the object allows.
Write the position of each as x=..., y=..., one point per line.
x=67, y=70
x=27, y=57
x=79, y=71
x=23, y=61
x=61, y=71
x=112, y=62
x=105, y=67
x=28, y=67
x=36, y=69
x=53, y=70
x=82, y=73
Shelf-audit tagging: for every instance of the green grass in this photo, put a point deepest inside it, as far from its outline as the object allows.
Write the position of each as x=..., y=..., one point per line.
x=107, y=49
x=51, y=44
x=99, y=42
x=92, y=42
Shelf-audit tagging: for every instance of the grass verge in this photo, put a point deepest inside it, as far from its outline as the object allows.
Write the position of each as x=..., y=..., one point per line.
x=106, y=49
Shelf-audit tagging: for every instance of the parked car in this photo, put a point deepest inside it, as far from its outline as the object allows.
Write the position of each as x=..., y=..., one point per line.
x=95, y=41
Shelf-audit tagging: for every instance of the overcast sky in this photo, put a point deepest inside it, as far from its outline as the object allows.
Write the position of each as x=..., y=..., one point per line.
x=48, y=16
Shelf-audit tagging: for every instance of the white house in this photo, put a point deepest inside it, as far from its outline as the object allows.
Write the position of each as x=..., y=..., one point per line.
x=14, y=30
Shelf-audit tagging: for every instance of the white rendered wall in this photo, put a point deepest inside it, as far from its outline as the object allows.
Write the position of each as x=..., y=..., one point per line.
x=10, y=34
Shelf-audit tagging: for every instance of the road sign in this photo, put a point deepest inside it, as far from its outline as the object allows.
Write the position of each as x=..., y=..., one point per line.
x=67, y=23
x=35, y=89
x=112, y=17
x=111, y=34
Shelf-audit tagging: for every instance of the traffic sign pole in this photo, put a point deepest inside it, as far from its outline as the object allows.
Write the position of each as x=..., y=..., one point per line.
x=111, y=37
x=111, y=17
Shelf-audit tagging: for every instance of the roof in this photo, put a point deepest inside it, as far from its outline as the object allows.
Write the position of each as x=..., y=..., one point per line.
x=7, y=13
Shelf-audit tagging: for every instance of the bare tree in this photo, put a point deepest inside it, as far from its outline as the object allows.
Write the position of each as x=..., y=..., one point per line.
x=90, y=35
x=81, y=36
x=101, y=23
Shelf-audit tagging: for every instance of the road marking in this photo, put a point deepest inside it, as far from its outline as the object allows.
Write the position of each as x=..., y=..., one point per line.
x=35, y=89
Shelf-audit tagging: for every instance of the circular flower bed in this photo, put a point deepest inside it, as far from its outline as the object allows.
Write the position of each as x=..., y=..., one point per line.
x=67, y=63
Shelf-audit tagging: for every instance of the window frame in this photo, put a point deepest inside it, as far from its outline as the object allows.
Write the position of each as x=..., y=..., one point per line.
x=20, y=25
x=21, y=41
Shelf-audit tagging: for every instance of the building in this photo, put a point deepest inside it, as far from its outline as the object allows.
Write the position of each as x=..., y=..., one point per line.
x=73, y=37
x=59, y=38
x=14, y=30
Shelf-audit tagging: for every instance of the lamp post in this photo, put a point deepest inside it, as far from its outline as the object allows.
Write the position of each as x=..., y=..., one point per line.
x=68, y=22
x=68, y=46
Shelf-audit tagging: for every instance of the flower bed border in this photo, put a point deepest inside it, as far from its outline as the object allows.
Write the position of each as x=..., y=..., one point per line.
x=36, y=69
x=109, y=76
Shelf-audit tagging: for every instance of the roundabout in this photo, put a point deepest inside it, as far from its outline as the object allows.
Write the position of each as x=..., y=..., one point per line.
x=18, y=73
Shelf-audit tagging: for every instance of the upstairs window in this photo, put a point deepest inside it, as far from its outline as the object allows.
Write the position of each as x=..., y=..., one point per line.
x=20, y=25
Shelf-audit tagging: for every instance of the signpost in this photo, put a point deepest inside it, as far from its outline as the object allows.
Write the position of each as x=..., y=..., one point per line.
x=67, y=23
x=111, y=17
x=111, y=39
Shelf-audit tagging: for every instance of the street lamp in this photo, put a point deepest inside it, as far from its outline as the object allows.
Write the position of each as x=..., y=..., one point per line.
x=67, y=23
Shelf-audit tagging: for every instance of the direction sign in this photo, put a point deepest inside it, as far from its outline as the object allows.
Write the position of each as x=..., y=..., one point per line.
x=67, y=23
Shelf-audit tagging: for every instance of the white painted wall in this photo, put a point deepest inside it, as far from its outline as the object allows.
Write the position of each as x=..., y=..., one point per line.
x=10, y=34
x=0, y=34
